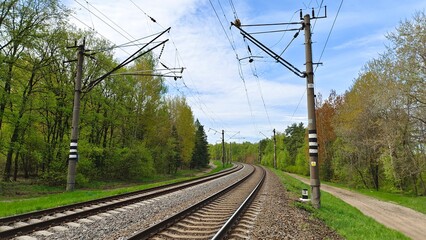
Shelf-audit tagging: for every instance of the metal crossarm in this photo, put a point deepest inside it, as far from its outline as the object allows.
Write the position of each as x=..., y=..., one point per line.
x=271, y=53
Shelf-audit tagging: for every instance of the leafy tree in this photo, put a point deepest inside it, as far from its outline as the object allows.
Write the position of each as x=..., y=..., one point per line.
x=380, y=124
x=295, y=137
x=325, y=113
x=23, y=56
x=183, y=120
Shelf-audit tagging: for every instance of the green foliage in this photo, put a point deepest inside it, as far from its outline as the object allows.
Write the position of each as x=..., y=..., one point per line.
x=56, y=175
x=82, y=180
x=125, y=129
x=183, y=120
x=200, y=156
x=295, y=138
x=381, y=133
x=302, y=162
x=87, y=171
x=283, y=159
x=176, y=154
x=132, y=163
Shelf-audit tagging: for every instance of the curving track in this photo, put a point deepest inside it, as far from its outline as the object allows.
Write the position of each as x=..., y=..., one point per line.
x=26, y=223
x=213, y=217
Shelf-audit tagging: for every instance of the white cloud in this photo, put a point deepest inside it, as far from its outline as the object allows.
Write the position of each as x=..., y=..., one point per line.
x=211, y=80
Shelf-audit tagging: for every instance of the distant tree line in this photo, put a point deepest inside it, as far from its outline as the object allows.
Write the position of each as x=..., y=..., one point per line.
x=129, y=128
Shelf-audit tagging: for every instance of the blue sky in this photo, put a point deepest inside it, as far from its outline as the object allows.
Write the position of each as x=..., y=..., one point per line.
x=245, y=99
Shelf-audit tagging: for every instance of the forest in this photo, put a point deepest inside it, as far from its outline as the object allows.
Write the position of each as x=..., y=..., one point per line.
x=129, y=128
x=373, y=135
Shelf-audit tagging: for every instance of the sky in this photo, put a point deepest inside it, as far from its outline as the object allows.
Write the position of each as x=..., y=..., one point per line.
x=226, y=91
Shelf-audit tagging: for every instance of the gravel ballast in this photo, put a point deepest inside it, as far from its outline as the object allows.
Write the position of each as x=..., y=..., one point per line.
x=280, y=219
x=127, y=220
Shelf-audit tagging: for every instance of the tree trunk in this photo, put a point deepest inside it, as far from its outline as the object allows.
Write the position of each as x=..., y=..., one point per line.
x=15, y=171
x=414, y=178
x=422, y=184
x=16, y=131
x=26, y=165
x=5, y=97
x=374, y=169
x=8, y=167
x=362, y=177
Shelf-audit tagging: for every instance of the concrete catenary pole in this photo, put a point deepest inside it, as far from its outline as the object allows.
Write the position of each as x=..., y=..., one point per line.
x=260, y=155
x=223, y=148
x=230, y=152
x=275, y=150
x=73, y=156
x=313, y=143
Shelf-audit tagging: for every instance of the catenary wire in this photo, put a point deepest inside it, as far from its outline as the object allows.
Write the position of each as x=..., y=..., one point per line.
x=196, y=96
x=329, y=33
x=109, y=25
x=236, y=54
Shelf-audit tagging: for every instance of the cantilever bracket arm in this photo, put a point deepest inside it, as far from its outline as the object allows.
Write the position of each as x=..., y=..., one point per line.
x=271, y=53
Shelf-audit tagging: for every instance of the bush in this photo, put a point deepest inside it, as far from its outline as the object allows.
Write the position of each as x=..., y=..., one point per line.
x=132, y=163
x=86, y=168
x=54, y=178
x=81, y=180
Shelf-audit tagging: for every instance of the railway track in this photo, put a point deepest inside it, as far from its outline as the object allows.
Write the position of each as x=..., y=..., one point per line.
x=19, y=225
x=212, y=218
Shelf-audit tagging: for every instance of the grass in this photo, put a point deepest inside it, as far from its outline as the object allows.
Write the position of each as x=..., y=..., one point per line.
x=220, y=166
x=348, y=221
x=37, y=197
x=417, y=203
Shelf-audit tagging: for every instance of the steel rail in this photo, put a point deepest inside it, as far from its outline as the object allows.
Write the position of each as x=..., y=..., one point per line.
x=131, y=198
x=149, y=232
x=240, y=211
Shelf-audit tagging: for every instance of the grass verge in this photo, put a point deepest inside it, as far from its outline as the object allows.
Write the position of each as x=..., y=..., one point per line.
x=219, y=166
x=417, y=203
x=53, y=199
x=348, y=221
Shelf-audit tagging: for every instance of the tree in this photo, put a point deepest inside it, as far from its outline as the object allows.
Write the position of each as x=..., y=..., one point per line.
x=408, y=51
x=176, y=158
x=23, y=57
x=200, y=156
x=294, y=139
x=381, y=122
x=183, y=120
x=325, y=112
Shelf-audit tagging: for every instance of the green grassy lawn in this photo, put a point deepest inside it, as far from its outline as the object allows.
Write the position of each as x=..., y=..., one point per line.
x=37, y=197
x=348, y=221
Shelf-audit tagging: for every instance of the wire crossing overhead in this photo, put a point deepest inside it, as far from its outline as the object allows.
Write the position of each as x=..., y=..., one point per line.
x=130, y=59
x=271, y=53
x=309, y=75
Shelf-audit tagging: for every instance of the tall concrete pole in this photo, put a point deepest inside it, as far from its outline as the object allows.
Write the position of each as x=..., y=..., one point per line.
x=73, y=156
x=230, y=152
x=223, y=148
x=260, y=155
x=312, y=131
x=275, y=151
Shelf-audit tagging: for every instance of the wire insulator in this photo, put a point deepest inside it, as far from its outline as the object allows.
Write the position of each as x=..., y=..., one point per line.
x=237, y=23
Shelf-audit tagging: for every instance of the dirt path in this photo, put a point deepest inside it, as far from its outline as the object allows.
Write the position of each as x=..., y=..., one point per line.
x=405, y=220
